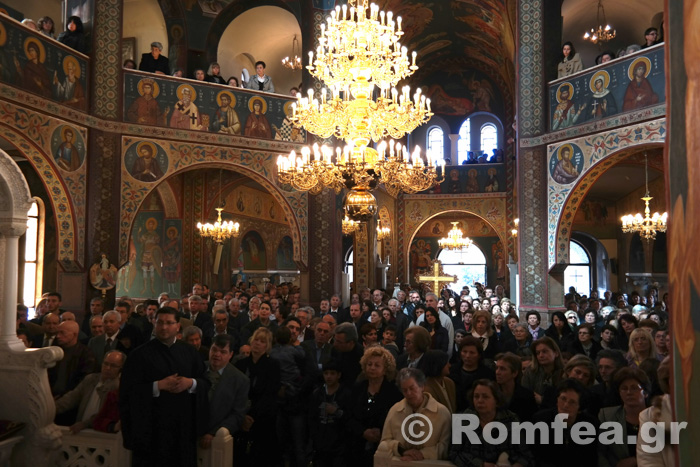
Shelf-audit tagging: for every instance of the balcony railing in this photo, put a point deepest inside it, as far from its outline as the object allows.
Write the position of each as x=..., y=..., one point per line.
x=156, y=100
x=43, y=66
x=623, y=85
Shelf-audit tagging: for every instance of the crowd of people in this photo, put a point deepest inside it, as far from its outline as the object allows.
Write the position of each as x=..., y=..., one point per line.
x=73, y=37
x=571, y=62
x=155, y=62
x=334, y=385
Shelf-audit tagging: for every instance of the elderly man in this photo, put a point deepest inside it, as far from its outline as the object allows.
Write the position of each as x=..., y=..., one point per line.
x=78, y=361
x=70, y=316
x=431, y=300
x=236, y=319
x=96, y=327
x=228, y=396
x=90, y=394
x=155, y=61
x=102, y=344
x=411, y=381
x=402, y=321
x=163, y=398
x=50, y=328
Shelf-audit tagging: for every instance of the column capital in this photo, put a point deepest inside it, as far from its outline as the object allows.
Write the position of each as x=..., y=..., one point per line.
x=12, y=227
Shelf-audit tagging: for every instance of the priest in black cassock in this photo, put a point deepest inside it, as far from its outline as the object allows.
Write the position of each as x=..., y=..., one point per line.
x=163, y=398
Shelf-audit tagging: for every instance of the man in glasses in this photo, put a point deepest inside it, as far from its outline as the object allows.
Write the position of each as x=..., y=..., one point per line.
x=163, y=397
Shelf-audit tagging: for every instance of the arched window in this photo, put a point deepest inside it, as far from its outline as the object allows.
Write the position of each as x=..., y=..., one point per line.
x=468, y=264
x=463, y=143
x=489, y=139
x=435, y=144
x=32, y=270
x=578, y=273
x=349, y=266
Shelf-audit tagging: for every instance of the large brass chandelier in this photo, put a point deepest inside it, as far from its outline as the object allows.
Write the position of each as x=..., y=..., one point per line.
x=359, y=50
x=221, y=230
x=648, y=225
x=455, y=239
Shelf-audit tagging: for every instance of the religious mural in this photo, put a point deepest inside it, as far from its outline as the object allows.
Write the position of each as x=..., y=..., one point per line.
x=253, y=251
x=142, y=275
x=43, y=67
x=209, y=107
x=462, y=94
x=68, y=148
x=619, y=86
x=472, y=178
x=146, y=161
x=566, y=164
x=285, y=254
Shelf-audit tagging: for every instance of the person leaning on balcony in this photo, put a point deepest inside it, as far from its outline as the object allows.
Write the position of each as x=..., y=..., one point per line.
x=571, y=61
x=155, y=62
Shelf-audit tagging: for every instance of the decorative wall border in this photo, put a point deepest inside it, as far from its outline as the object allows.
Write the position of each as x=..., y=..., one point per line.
x=185, y=156
x=31, y=134
x=597, y=126
x=600, y=152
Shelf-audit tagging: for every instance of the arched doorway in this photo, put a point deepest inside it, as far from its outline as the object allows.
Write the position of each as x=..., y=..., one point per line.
x=487, y=253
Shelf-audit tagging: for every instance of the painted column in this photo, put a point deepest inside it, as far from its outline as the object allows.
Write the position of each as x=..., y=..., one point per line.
x=682, y=159
x=532, y=164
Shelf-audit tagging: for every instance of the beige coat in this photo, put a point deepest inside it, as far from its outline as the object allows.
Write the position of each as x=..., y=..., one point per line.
x=435, y=447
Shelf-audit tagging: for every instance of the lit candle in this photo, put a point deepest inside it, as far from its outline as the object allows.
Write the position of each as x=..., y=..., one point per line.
x=414, y=57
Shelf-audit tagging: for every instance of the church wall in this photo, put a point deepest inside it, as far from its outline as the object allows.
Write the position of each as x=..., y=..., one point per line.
x=37, y=10
x=143, y=20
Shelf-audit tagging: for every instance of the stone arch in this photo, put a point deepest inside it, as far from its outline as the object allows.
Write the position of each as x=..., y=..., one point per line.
x=236, y=8
x=133, y=197
x=70, y=235
x=501, y=235
x=601, y=152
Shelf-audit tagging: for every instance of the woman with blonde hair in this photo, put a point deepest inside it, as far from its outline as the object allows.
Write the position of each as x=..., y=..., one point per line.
x=260, y=421
x=369, y=404
x=641, y=347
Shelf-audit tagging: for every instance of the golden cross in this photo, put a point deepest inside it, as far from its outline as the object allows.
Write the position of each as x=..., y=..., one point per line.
x=437, y=277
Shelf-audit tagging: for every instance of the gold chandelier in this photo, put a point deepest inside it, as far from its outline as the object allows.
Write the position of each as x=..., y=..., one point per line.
x=601, y=33
x=219, y=231
x=359, y=49
x=295, y=62
x=455, y=239
x=383, y=232
x=648, y=225
x=349, y=226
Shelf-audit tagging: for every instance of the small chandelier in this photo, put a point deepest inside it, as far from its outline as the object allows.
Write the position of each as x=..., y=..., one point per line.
x=295, y=62
x=602, y=33
x=349, y=226
x=220, y=231
x=648, y=225
x=383, y=232
x=455, y=239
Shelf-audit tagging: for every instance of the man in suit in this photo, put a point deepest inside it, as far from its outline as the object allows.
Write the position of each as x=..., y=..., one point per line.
x=402, y=321
x=236, y=319
x=97, y=307
x=77, y=362
x=50, y=327
x=90, y=394
x=102, y=344
x=228, y=396
x=201, y=318
x=318, y=351
x=304, y=315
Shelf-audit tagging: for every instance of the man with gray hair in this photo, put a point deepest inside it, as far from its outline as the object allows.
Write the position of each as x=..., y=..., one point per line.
x=347, y=352
x=236, y=319
x=155, y=61
x=102, y=344
x=402, y=321
x=304, y=315
x=431, y=300
x=201, y=318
